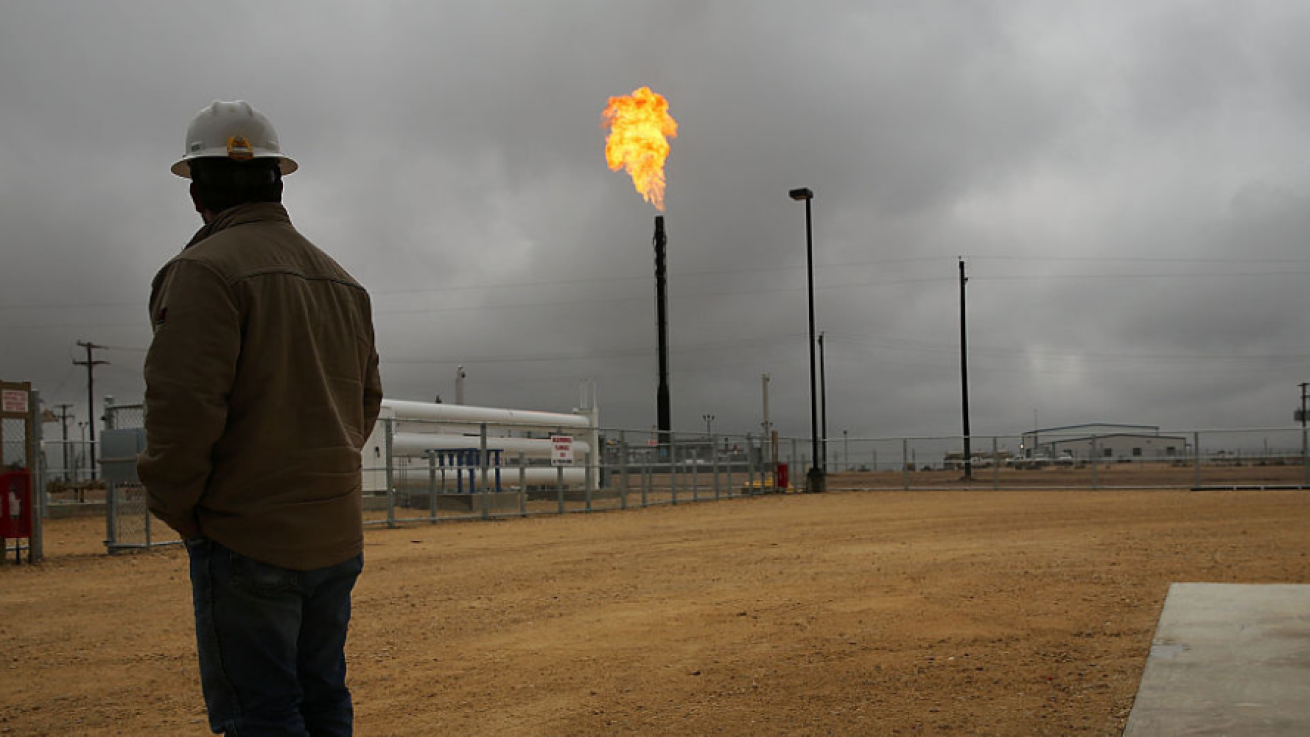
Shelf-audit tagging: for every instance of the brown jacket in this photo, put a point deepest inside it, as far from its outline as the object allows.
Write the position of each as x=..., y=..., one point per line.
x=261, y=387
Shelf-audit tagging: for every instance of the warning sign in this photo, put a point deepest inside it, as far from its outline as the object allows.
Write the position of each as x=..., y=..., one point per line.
x=14, y=401
x=561, y=450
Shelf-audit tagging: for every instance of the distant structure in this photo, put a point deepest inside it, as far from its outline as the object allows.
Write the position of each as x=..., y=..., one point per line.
x=1105, y=441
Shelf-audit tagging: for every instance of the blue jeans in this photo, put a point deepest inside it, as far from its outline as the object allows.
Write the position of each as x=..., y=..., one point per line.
x=271, y=642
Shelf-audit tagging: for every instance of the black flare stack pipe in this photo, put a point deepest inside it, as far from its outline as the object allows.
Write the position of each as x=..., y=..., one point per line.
x=662, y=327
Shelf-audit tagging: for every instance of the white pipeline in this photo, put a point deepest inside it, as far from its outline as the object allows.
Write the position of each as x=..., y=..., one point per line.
x=418, y=478
x=417, y=444
x=464, y=415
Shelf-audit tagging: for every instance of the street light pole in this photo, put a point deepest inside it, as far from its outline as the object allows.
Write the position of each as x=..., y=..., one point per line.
x=1305, y=443
x=814, y=481
x=709, y=421
x=964, y=378
x=823, y=402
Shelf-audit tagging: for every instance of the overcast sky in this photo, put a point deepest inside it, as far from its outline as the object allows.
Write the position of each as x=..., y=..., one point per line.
x=1128, y=184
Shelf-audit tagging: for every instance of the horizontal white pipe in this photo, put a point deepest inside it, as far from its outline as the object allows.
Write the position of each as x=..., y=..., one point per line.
x=415, y=444
x=416, y=478
x=464, y=414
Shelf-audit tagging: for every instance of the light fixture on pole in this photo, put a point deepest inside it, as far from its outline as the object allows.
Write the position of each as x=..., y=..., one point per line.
x=814, y=480
x=709, y=422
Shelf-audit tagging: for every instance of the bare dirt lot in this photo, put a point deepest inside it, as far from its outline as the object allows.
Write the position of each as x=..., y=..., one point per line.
x=869, y=613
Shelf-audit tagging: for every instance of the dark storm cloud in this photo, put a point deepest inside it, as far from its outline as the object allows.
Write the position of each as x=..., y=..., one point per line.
x=1127, y=183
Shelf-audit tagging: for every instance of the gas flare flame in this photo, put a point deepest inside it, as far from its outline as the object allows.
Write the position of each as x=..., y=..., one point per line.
x=640, y=126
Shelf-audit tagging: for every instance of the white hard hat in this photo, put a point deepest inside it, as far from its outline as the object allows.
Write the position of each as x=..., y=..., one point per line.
x=231, y=130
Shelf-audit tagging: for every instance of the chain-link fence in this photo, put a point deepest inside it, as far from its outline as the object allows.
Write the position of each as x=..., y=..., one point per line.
x=13, y=447
x=419, y=471
x=645, y=468
x=68, y=462
x=500, y=470
x=1252, y=458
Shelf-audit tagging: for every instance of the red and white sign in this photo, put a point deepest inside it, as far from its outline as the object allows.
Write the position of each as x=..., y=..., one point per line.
x=561, y=450
x=14, y=401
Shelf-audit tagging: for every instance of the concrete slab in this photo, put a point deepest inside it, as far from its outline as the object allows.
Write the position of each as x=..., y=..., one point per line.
x=1227, y=659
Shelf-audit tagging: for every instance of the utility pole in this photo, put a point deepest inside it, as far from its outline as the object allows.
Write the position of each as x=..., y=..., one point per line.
x=91, y=364
x=63, y=427
x=459, y=386
x=964, y=376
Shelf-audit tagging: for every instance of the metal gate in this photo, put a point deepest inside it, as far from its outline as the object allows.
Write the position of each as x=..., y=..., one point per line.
x=128, y=523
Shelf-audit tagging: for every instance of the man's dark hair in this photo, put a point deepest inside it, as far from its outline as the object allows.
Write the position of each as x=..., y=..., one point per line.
x=222, y=183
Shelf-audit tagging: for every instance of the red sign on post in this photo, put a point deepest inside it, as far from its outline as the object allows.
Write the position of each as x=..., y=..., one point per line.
x=13, y=400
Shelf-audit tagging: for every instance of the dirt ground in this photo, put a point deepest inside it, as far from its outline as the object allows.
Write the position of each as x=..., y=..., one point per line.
x=864, y=613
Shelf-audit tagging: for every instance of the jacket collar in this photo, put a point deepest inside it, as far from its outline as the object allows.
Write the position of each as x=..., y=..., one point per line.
x=251, y=212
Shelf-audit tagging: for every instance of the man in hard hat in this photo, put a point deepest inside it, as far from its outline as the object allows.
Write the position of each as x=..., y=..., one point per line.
x=261, y=387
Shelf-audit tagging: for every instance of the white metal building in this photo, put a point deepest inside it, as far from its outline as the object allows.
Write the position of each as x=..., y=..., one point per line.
x=1104, y=441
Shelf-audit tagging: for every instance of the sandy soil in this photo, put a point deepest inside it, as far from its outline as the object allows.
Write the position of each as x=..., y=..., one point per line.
x=872, y=613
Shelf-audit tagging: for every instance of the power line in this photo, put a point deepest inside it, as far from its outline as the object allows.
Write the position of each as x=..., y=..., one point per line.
x=1147, y=259
x=1178, y=275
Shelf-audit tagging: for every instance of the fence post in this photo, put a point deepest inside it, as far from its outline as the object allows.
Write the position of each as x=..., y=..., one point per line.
x=1196, y=453
x=484, y=459
x=559, y=478
x=695, y=475
x=1095, y=482
x=111, y=496
x=589, y=476
x=432, y=485
x=750, y=463
x=905, y=463
x=793, y=469
x=37, y=499
x=1305, y=460
x=147, y=526
x=645, y=477
x=623, y=469
x=389, y=433
x=441, y=467
x=996, y=465
x=714, y=458
x=673, y=465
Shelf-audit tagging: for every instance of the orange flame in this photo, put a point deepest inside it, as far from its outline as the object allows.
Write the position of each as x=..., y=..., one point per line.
x=639, y=124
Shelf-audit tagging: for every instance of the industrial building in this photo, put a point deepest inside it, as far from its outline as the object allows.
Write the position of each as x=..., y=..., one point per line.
x=1105, y=442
